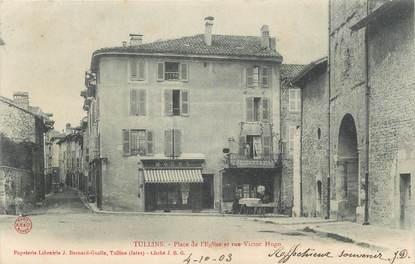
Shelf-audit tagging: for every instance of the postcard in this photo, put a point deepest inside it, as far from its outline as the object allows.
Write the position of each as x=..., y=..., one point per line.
x=207, y=131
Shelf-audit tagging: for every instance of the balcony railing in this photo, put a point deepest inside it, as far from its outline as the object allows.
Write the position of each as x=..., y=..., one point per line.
x=235, y=160
x=171, y=76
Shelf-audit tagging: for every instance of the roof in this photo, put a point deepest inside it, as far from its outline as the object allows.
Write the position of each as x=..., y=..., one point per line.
x=222, y=45
x=309, y=68
x=392, y=6
x=290, y=71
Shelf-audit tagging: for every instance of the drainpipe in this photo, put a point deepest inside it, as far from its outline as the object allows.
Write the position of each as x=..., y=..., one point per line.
x=301, y=157
x=366, y=215
x=328, y=113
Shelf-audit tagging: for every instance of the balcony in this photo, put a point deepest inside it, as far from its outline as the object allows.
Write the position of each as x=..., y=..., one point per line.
x=235, y=160
x=171, y=76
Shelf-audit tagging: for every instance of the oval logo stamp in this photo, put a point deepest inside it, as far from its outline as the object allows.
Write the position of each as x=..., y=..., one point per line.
x=23, y=224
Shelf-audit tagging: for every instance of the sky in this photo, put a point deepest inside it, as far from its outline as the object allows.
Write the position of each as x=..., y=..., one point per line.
x=49, y=44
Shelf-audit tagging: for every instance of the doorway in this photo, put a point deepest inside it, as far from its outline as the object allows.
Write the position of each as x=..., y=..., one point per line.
x=207, y=191
x=405, y=200
x=347, y=169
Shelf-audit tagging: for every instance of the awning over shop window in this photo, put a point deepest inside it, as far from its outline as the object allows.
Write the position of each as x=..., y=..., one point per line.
x=173, y=176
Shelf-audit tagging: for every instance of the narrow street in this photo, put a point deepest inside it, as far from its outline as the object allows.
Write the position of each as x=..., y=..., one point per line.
x=66, y=224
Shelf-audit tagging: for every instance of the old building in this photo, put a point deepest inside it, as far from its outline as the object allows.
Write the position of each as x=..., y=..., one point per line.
x=22, y=128
x=313, y=81
x=290, y=128
x=371, y=127
x=52, y=177
x=189, y=123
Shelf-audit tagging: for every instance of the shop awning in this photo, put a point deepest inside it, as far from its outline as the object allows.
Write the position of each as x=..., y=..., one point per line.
x=173, y=176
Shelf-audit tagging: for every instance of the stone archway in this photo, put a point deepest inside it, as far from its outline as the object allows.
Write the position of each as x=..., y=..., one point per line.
x=347, y=169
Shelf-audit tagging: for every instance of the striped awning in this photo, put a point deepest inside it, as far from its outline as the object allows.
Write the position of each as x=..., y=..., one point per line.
x=173, y=176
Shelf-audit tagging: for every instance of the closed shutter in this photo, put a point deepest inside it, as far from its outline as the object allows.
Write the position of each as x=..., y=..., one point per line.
x=160, y=71
x=265, y=109
x=185, y=102
x=142, y=102
x=126, y=142
x=184, y=73
x=250, y=109
x=150, y=141
x=133, y=102
x=141, y=71
x=242, y=144
x=168, y=102
x=267, y=146
x=168, y=143
x=177, y=133
x=133, y=70
x=250, y=77
x=264, y=77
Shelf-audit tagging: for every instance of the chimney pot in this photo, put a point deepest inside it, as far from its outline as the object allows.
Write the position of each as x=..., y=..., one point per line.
x=265, y=40
x=124, y=43
x=21, y=99
x=208, y=30
x=136, y=39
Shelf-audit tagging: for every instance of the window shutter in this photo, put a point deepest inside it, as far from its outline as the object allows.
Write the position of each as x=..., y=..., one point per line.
x=126, y=142
x=97, y=112
x=264, y=77
x=265, y=109
x=168, y=102
x=185, y=102
x=249, y=109
x=184, y=73
x=133, y=70
x=267, y=146
x=250, y=77
x=150, y=149
x=141, y=102
x=133, y=102
x=160, y=71
x=298, y=101
x=177, y=133
x=168, y=146
x=242, y=143
x=141, y=71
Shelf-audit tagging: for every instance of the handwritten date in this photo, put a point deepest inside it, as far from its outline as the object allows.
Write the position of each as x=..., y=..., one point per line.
x=204, y=259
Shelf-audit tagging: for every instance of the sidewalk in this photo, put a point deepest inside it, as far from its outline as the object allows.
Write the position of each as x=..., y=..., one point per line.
x=377, y=237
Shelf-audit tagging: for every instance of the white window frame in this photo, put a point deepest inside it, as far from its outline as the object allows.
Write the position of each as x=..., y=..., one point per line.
x=163, y=107
x=137, y=61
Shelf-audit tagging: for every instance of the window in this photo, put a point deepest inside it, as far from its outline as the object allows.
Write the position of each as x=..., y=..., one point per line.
x=137, y=70
x=257, y=109
x=137, y=142
x=257, y=77
x=318, y=133
x=255, y=146
x=172, y=142
x=138, y=102
x=172, y=71
x=295, y=100
x=176, y=102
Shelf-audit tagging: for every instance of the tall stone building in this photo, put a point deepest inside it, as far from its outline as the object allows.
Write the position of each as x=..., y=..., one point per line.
x=371, y=95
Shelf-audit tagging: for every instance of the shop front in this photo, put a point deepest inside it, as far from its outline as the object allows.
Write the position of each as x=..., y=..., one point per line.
x=248, y=183
x=173, y=189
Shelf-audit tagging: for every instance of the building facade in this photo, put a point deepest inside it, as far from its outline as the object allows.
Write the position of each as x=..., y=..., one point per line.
x=22, y=178
x=190, y=123
x=370, y=97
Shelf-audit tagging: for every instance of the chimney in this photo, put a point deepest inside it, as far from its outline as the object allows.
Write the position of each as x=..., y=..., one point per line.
x=68, y=128
x=273, y=44
x=265, y=37
x=208, y=30
x=21, y=99
x=136, y=39
x=124, y=43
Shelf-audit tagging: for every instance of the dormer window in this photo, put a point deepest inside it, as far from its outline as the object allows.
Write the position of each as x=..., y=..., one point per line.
x=172, y=71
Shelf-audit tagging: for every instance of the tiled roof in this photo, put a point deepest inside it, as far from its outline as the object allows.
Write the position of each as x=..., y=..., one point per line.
x=290, y=71
x=222, y=45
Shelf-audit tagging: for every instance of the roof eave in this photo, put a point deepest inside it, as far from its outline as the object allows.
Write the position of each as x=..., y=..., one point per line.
x=302, y=74
x=96, y=55
x=381, y=11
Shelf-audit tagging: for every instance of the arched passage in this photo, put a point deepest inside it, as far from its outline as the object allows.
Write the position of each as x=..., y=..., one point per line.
x=347, y=169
